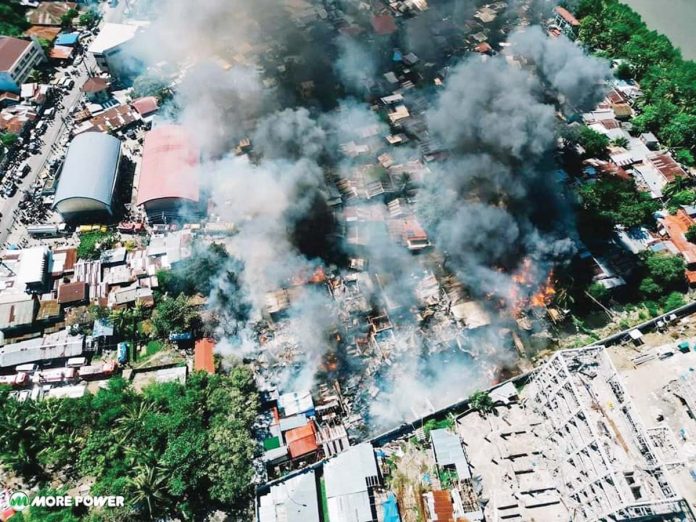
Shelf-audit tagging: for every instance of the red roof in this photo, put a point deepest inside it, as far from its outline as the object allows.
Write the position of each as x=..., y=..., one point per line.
x=442, y=505
x=668, y=167
x=302, y=441
x=483, y=48
x=203, y=355
x=60, y=52
x=676, y=226
x=72, y=292
x=10, y=51
x=145, y=105
x=168, y=166
x=95, y=84
x=383, y=24
x=567, y=16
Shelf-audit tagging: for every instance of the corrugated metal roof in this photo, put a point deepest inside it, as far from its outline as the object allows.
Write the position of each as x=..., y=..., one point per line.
x=448, y=452
x=169, y=166
x=53, y=346
x=90, y=169
x=203, y=355
x=346, y=478
x=293, y=500
x=302, y=441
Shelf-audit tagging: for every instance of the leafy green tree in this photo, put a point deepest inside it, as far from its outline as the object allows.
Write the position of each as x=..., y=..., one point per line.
x=648, y=48
x=481, y=401
x=12, y=19
x=175, y=315
x=599, y=292
x=684, y=197
x=691, y=234
x=594, y=143
x=67, y=19
x=8, y=138
x=680, y=131
x=613, y=201
x=673, y=300
x=620, y=141
x=663, y=273
x=654, y=116
x=678, y=184
x=89, y=18
x=624, y=71
x=648, y=287
x=686, y=157
x=197, y=274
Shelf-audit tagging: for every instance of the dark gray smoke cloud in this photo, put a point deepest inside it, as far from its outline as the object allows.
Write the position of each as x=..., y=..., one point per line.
x=249, y=67
x=564, y=66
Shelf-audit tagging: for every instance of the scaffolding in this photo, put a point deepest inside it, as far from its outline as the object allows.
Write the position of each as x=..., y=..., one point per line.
x=601, y=454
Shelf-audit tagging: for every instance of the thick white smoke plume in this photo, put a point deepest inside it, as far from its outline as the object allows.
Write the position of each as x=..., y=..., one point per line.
x=249, y=72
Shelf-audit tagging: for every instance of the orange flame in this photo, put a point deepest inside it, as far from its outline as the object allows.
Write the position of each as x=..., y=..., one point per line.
x=524, y=278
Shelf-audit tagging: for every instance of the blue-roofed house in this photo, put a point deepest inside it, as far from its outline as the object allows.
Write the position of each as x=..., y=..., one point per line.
x=88, y=179
x=67, y=39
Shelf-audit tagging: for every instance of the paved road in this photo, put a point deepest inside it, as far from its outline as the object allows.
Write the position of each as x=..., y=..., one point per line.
x=57, y=128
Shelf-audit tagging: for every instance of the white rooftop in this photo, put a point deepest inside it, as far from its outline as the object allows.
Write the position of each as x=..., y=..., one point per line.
x=112, y=35
x=346, y=478
x=293, y=500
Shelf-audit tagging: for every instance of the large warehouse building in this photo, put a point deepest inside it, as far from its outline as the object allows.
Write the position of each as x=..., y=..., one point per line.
x=88, y=178
x=168, y=185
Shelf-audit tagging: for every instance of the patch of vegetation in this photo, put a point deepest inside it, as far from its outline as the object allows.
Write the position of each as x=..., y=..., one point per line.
x=92, y=244
x=668, y=82
x=175, y=315
x=175, y=451
x=612, y=201
x=481, y=402
x=153, y=347
x=13, y=20
x=8, y=138
x=432, y=424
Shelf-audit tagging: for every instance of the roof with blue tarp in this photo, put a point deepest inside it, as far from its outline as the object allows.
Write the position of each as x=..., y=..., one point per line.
x=391, y=510
x=67, y=38
x=102, y=328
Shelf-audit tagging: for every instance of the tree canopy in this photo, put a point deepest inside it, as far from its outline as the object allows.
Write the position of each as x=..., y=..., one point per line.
x=174, y=314
x=668, y=82
x=174, y=450
x=613, y=201
x=663, y=273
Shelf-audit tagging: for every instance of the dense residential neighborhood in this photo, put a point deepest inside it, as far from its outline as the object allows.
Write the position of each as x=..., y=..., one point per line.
x=344, y=261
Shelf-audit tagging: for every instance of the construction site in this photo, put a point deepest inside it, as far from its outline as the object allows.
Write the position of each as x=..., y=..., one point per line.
x=592, y=434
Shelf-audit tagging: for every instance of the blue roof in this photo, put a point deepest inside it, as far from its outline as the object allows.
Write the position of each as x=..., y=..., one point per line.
x=67, y=38
x=391, y=510
x=90, y=169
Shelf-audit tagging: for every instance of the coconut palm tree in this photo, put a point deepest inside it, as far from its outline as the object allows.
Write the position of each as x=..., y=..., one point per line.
x=481, y=402
x=129, y=424
x=18, y=437
x=675, y=186
x=149, y=489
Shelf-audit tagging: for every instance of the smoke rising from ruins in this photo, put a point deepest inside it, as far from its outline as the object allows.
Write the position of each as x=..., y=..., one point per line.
x=492, y=203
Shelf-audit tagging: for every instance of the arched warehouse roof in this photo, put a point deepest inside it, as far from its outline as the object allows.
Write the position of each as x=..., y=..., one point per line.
x=89, y=174
x=169, y=166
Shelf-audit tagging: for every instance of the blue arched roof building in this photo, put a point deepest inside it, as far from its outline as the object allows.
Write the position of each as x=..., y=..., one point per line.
x=89, y=175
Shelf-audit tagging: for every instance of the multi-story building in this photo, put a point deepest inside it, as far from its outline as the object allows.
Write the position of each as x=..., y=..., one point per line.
x=17, y=59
